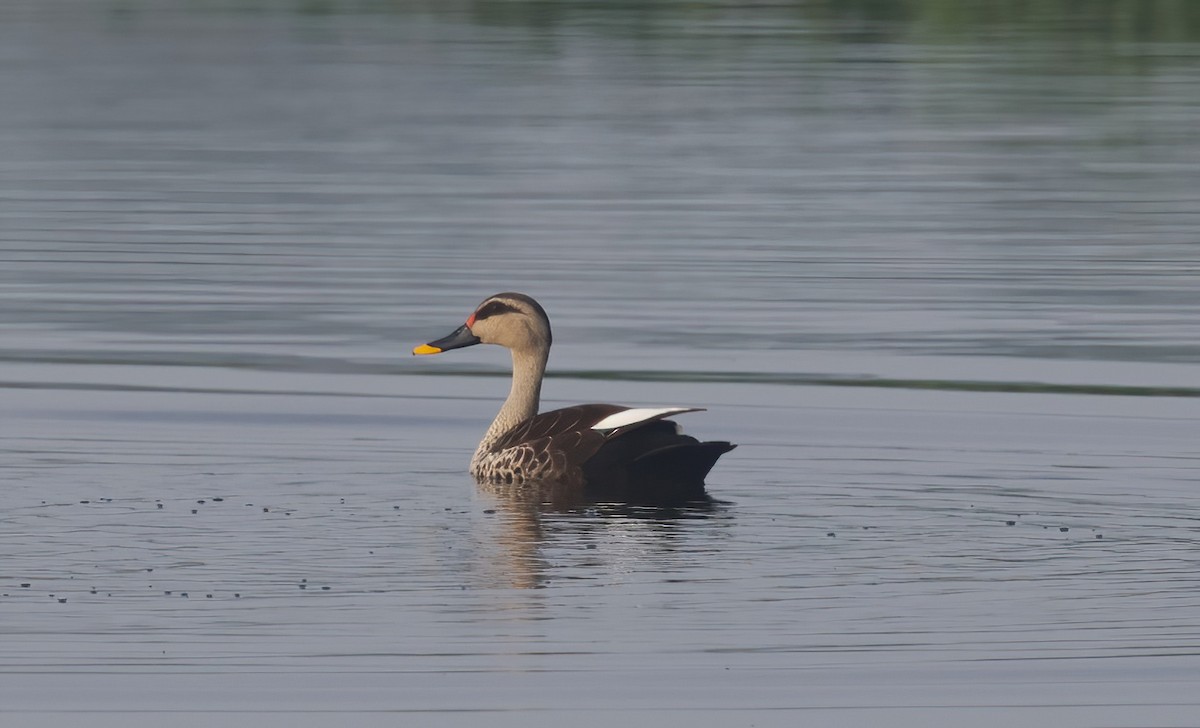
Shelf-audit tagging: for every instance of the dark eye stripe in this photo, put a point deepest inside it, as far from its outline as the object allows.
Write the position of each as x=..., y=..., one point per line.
x=493, y=308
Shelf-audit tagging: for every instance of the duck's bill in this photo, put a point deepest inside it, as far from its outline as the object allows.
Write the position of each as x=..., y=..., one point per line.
x=461, y=337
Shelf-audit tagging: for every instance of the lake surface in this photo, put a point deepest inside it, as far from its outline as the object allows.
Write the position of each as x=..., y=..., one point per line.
x=935, y=268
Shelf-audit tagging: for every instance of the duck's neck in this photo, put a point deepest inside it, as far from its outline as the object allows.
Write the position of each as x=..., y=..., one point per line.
x=529, y=366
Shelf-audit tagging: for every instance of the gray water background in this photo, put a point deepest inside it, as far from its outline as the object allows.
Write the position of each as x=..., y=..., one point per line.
x=934, y=266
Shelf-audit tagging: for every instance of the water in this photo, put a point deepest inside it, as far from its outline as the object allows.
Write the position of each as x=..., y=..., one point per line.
x=223, y=226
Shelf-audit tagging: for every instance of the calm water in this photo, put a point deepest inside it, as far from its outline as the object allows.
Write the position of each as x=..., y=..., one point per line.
x=232, y=498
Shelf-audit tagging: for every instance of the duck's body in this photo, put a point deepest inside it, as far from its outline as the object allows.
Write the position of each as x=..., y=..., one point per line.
x=606, y=451
x=601, y=451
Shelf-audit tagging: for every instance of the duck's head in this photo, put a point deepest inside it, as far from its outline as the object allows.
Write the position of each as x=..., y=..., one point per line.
x=512, y=320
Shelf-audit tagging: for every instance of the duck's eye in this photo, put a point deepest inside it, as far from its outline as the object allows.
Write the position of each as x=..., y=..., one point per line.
x=493, y=308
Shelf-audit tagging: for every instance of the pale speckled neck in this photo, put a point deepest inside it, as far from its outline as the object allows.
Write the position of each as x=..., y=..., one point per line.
x=529, y=366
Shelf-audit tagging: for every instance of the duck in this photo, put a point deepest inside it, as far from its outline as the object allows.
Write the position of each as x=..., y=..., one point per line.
x=598, y=452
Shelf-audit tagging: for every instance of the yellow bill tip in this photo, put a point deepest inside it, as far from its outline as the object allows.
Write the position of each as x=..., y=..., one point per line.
x=426, y=349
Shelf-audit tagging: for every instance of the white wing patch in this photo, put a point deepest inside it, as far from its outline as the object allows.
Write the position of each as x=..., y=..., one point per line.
x=640, y=414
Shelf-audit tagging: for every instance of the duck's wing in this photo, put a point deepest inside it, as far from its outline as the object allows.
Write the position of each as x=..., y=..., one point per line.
x=583, y=422
x=555, y=444
x=631, y=418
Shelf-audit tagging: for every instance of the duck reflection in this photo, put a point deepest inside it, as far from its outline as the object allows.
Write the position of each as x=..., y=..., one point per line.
x=540, y=539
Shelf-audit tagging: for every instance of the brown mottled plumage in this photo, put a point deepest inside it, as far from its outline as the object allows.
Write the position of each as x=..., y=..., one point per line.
x=598, y=451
